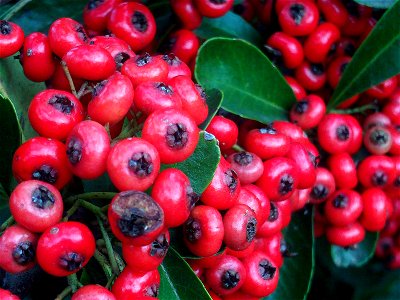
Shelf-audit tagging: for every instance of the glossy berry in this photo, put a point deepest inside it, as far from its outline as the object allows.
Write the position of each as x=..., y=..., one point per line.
x=65, y=248
x=93, y=292
x=176, y=67
x=374, y=213
x=227, y=276
x=151, y=255
x=343, y=207
x=240, y=227
x=133, y=164
x=213, y=8
x=263, y=201
x=18, y=247
x=88, y=146
x=383, y=89
x=336, y=69
x=42, y=159
x=357, y=134
x=173, y=192
x=174, y=134
x=376, y=171
x=273, y=224
x=203, y=232
x=345, y=236
x=395, y=134
x=7, y=295
x=135, y=218
x=343, y=169
x=187, y=13
x=308, y=112
x=334, y=133
x=333, y=11
x=183, y=43
x=65, y=34
x=96, y=13
x=11, y=38
x=134, y=23
x=37, y=57
x=324, y=186
x=248, y=166
x=58, y=81
x=53, y=113
x=281, y=46
x=36, y=205
x=224, y=130
x=297, y=88
x=274, y=246
x=262, y=275
x=376, y=119
x=378, y=140
x=136, y=285
x=311, y=76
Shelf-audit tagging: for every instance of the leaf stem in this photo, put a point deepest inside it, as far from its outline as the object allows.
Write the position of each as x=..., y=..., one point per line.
x=110, y=281
x=14, y=10
x=73, y=282
x=237, y=148
x=90, y=196
x=82, y=90
x=72, y=210
x=70, y=81
x=93, y=208
x=110, y=250
x=355, y=110
x=102, y=260
x=7, y=223
x=64, y=293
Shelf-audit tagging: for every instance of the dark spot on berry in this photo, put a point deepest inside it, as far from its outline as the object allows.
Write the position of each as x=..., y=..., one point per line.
x=230, y=279
x=177, y=136
x=340, y=201
x=397, y=181
x=120, y=59
x=98, y=88
x=81, y=33
x=286, y=184
x=171, y=59
x=314, y=159
x=42, y=198
x=251, y=229
x=266, y=270
x=23, y=253
x=379, y=137
x=71, y=261
x=231, y=180
x=343, y=67
x=218, y=1
x=74, y=151
x=5, y=27
x=45, y=173
x=141, y=164
x=192, y=197
x=139, y=21
x=379, y=178
x=317, y=69
x=92, y=4
x=268, y=129
x=273, y=213
x=201, y=91
x=192, y=230
x=342, y=133
x=301, y=107
x=297, y=12
x=29, y=52
x=62, y=104
x=243, y=158
x=138, y=213
x=153, y=290
x=332, y=49
x=163, y=88
x=319, y=192
x=143, y=60
x=160, y=246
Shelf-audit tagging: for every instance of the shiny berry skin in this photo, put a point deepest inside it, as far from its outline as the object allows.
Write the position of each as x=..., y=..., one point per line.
x=59, y=81
x=324, y=186
x=298, y=18
x=151, y=255
x=42, y=159
x=135, y=218
x=262, y=275
x=345, y=236
x=224, y=188
x=36, y=205
x=376, y=171
x=383, y=89
x=320, y=42
x=333, y=11
x=346, y=46
x=378, y=140
x=193, y=97
x=151, y=96
x=262, y=200
x=344, y=170
x=53, y=113
x=203, y=232
x=65, y=248
x=131, y=284
x=311, y=76
x=280, y=178
x=227, y=276
x=37, y=58
x=343, y=207
x=285, y=209
x=248, y=166
x=240, y=227
x=7, y=295
x=187, y=13
x=395, y=133
x=392, y=110
x=174, y=134
x=96, y=13
x=112, y=99
x=267, y=142
x=18, y=247
x=357, y=21
x=133, y=164
x=134, y=23
x=282, y=46
x=242, y=253
x=308, y=112
x=65, y=34
x=11, y=38
x=297, y=88
x=274, y=246
x=183, y=43
x=145, y=68
x=334, y=133
x=176, y=67
x=336, y=69
x=374, y=213
x=88, y=146
x=213, y=8
x=273, y=224
x=357, y=134
x=224, y=130
x=83, y=59
x=93, y=292
x=173, y=192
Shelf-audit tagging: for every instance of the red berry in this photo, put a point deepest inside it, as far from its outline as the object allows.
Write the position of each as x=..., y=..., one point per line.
x=378, y=140
x=344, y=170
x=297, y=88
x=224, y=130
x=324, y=186
x=183, y=43
x=376, y=171
x=343, y=207
x=345, y=236
x=374, y=213
x=333, y=11
x=176, y=67
x=383, y=89
x=93, y=292
x=7, y=295
x=212, y=8
x=247, y=165
x=376, y=119
x=187, y=12
x=311, y=76
x=97, y=13
x=11, y=38
x=308, y=112
x=262, y=200
x=273, y=224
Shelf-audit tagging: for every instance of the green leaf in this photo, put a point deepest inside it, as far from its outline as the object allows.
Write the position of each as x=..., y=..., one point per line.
x=296, y=273
x=347, y=257
x=376, y=3
x=253, y=88
x=16, y=87
x=4, y=209
x=376, y=60
x=230, y=25
x=178, y=280
x=201, y=165
x=214, y=101
x=387, y=288
x=10, y=139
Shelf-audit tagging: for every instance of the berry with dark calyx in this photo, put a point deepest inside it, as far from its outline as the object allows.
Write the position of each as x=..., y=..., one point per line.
x=343, y=207
x=324, y=186
x=97, y=12
x=308, y=112
x=282, y=46
x=273, y=224
x=334, y=11
x=248, y=166
x=376, y=119
x=213, y=8
x=311, y=76
x=11, y=38
x=336, y=69
x=378, y=140
x=183, y=43
x=376, y=171
x=176, y=67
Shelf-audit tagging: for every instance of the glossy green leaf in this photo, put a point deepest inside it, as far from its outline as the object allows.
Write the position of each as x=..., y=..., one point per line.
x=230, y=25
x=201, y=165
x=178, y=282
x=253, y=88
x=16, y=87
x=214, y=101
x=10, y=139
x=296, y=273
x=347, y=257
x=376, y=60
x=376, y=3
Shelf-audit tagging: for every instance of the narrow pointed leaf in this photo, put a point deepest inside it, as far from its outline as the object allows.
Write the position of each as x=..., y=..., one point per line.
x=376, y=3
